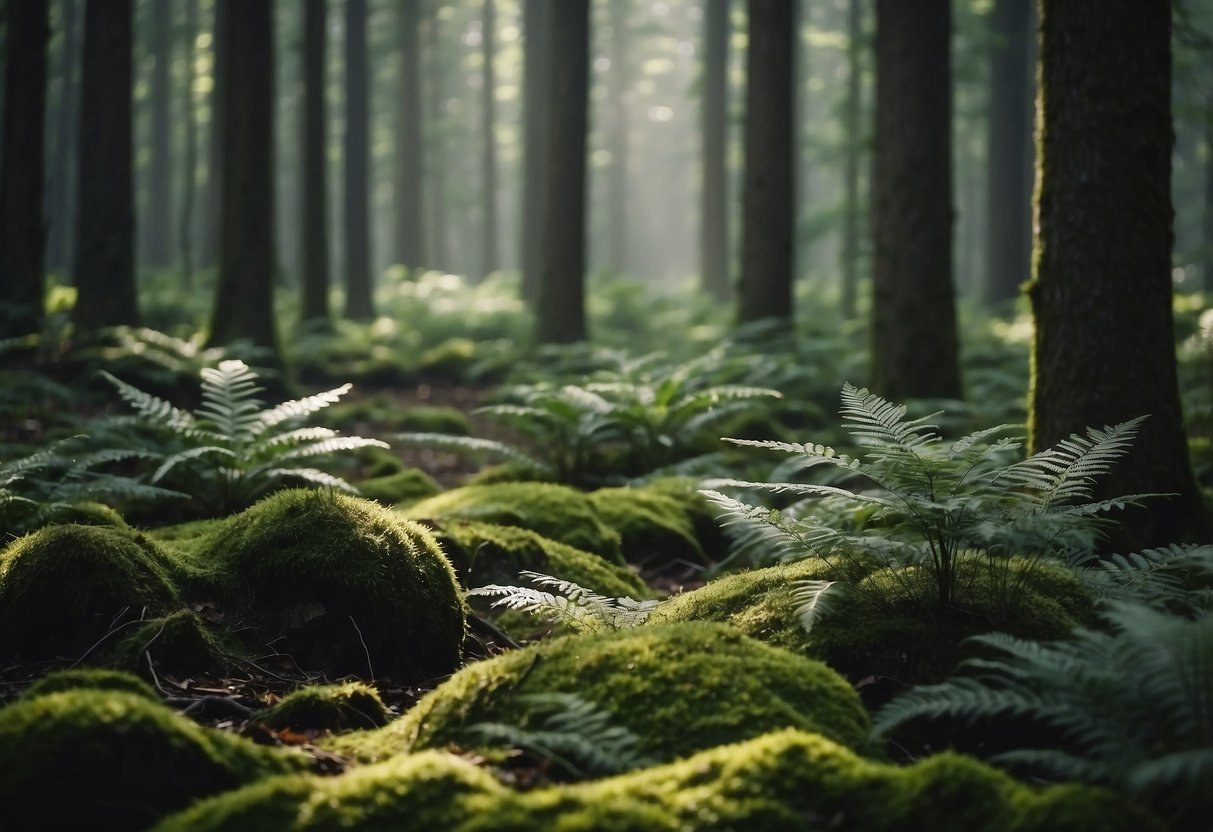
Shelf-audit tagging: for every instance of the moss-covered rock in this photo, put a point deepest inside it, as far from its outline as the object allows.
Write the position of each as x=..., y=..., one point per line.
x=401, y=488
x=780, y=781
x=342, y=584
x=660, y=523
x=104, y=759
x=64, y=587
x=680, y=689
x=91, y=678
x=353, y=705
x=554, y=511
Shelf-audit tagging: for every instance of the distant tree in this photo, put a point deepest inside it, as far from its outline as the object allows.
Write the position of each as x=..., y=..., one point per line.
x=160, y=201
x=768, y=184
x=358, y=302
x=314, y=135
x=617, y=129
x=536, y=31
x=914, y=343
x=714, y=224
x=488, y=230
x=1008, y=260
x=185, y=233
x=22, y=229
x=410, y=230
x=105, y=221
x=1104, y=349
x=208, y=247
x=560, y=304
x=851, y=220
x=1207, y=260
x=438, y=251
x=63, y=166
x=244, y=298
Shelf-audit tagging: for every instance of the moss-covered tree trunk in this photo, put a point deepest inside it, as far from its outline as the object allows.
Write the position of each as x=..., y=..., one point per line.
x=314, y=135
x=359, y=305
x=244, y=301
x=536, y=78
x=21, y=224
x=105, y=221
x=768, y=184
x=1104, y=349
x=914, y=349
x=560, y=307
x=410, y=231
x=714, y=225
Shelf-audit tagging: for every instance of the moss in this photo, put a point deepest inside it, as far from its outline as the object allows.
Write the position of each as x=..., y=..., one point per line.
x=554, y=511
x=328, y=708
x=680, y=689
x=103, y=759
x=91, y=679
x=181, y=642
x=659, y=524
x=64, y=587
x=506, y=472
x=343, y=585
x=780, y=781
x=91, y=514
x=403, y=487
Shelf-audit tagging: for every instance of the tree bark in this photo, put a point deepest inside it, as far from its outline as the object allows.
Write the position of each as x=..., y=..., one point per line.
x=358, y=301
x=410, y=231
x=105, y=238
x=1104, y=349
x=488, y=242
x=851, y=220
x=714, y=226
x=435, y=152
x=160, y=200
x=313, y=135
x=914, y=343
x=189, y=179
x=22, y=230
x=560, y=307
x=208, y=248
x=244, y=300
x=768, y=187
x=59, y=236
x=618, y=81
x=1207, y=259
x=536, y=26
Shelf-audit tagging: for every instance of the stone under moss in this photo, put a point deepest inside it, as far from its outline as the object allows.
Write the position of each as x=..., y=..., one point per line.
x=106, y=759
x=401, y=488
x=91, y=678
x=780, y=781
x=63, y=588
x=659, y=524
x=680, y=689
x=354, y=705
x=343, y=585
x=554, y=511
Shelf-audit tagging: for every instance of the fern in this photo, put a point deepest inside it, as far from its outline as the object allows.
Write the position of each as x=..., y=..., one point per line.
x=580, y=608
x=232, y=450
x=1177, y=577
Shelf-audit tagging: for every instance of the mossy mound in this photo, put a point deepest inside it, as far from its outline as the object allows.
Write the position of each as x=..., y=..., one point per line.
x=780, y=781
x=91, y=514
x=103, y=759
x=660, y=523
x=89, y=678
x=353, y=705
x=343, y=585
x=680, y=689
x=64, y=587
x=401, y=488
x=181, y=642
x=554, y=511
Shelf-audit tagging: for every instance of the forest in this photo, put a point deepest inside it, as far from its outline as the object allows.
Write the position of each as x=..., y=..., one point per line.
x=606, y=414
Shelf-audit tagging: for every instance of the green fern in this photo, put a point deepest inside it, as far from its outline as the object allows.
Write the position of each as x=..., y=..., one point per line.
x=232, y=450
x=1178, y=577
x=580, y=608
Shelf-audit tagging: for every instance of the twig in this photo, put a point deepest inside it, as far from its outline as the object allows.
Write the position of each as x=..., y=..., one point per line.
x=497, y=634
x=365, y=649
x=105, y=638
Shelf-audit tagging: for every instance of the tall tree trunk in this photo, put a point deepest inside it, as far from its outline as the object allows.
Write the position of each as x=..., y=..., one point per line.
x=63, y=179
x=105, y=239
x=1010, y=188
x=160, y=202
x=435, y=153
x=560, y=307
x=914, y=344
x=618, y=81
x=536, y=27
x=244, y=298
x=851, y=220
x=410, y=230
x=1104, y=349
x=208, y=248
x=1207, y=259
x=488, y=242
x=714, y=225
x=358, y=302
x=768, y=187
x=314, y=124
x=22, y=231
x=189, y=178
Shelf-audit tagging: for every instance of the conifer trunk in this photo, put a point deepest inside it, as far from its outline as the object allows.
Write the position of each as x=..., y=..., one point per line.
x=358, y=301
x=714, y=225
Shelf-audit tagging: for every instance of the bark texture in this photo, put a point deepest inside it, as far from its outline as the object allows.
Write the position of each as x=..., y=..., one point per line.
x=536, y=91
x=314, y=135
x=488, y=229
x=160, y=196
x=714, y=226
x=358, y=297
x=409, y=224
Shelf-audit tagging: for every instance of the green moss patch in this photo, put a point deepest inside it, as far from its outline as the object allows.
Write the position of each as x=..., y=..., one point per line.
x=680, y=689
x=64, y=587
x=554, y=511
x=658, y=525
x=103, y=759
x=345, y=707
x=403, y=487
x=342, y=585
x=780, y=781
x=91, y=679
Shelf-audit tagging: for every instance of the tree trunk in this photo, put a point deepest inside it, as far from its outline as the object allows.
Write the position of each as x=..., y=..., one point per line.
x=851, y=220
x=618, y=81
x=358, y=302
x=536, y=27
x=105, y=238
x=1207, y=259
x=189, y=179
x=244, y=300
x=410, y=231
x=1009, y=192
x=914, y=349
x=22, y=231
x=768, y=187
x=1104, y=349
x=314, y=236
x=160, y=201
x=560, y=308
x=435, y=152
x=59, y=237
x=488, y=243
x=208, y=248
x=714, y=226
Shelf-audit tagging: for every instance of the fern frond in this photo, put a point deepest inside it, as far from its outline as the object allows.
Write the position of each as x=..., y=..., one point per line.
x=1067, y=471
x=812, y=598
x=469, y=446
x=188, y=456
x=876, y=422
x=152, y=408
x=230, y=401
x=306, y=406
x=1158, y=577
x=808, y=490
x=572, y=604
x=332, y=445
x=313, y=477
